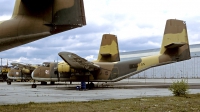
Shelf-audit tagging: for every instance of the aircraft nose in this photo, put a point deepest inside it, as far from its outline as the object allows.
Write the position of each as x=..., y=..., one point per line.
x=8, y=74
x=32, y=75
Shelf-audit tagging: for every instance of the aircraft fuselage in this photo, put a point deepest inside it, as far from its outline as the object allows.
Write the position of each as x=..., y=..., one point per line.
x=110, y=71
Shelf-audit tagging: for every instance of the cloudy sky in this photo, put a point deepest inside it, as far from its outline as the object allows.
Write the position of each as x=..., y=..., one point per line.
x=138, y=24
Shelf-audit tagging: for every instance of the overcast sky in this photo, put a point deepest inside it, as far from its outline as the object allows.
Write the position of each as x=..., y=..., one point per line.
x=138, y=24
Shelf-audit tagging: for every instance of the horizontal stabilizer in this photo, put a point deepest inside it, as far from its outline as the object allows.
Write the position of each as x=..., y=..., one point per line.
x=105, y=54
x=174, y=45
x=77, y=62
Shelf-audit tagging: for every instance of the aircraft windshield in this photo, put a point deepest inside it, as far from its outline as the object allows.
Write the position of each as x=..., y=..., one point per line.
x=46, y=65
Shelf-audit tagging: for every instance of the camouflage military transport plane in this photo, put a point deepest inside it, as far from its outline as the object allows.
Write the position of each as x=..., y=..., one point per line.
x=109, y=68
x=20, y=71
x=3, y=72
x=54, y=71
x=36, y=19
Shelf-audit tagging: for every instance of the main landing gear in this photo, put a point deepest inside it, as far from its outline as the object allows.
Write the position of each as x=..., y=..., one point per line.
x=9, y=82
x=90, y=85
x=85, y=86
x=43, y=83
x=52, y=83
x=34, y=85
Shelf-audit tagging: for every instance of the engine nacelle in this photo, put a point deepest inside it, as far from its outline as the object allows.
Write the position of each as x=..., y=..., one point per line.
x=63, y=67
x=26, y=71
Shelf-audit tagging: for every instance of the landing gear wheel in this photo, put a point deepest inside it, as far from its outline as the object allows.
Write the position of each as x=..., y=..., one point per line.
x=4, y=78
x=8, y=82
x=43, y=83
x=90, y=86
x=34, y=85
x=52, y=83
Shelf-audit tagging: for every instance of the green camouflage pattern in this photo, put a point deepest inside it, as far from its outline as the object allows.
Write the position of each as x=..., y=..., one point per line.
x=21, y=71
x=109, y=51
x=174, y=48
x=36, y=19
x=49, y=72
x=4, y=71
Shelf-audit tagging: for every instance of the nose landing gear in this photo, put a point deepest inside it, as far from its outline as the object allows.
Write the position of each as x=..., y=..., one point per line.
x=34, y=85
x=9, y=81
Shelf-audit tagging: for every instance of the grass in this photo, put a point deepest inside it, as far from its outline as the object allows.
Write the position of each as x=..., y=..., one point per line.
x=150, y=104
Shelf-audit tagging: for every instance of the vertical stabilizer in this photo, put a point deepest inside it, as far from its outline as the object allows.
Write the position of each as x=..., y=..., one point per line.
x=109, y=51
x=175, y=40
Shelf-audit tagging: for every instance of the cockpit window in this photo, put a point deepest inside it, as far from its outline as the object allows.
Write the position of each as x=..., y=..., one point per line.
x=46, y=65
x=16, y=67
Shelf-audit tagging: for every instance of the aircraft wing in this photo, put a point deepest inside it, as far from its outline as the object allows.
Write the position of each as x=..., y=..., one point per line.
x=77, y=62
x=22, y=65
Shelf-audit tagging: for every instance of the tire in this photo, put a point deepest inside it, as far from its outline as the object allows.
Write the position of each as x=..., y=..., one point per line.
x=34, y=85
x=91, y=85
x=8, y=82
x=43, y=83
x=52, y=83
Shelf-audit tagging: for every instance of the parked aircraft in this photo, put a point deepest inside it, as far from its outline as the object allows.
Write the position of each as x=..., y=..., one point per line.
x=54, y=71
x=109, y=68
x=20, y=71
x=36, y=19
x=3, y=72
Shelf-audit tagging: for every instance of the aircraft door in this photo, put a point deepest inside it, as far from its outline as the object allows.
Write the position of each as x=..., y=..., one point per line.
x=53, y=74
x=114, y=73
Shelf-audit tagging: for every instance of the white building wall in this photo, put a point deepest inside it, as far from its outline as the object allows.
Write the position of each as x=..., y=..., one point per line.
x=183, y=69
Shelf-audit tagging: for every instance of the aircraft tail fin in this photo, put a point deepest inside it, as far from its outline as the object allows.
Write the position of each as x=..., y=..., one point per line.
x=175, y=40
x=109, y=51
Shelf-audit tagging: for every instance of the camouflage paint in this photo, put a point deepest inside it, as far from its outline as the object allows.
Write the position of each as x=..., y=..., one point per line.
x=109, y=51
x=4, y=71
x=17, y=74
x=36, y=19
x=48, y=72
x=21, y=71
x=175, y=47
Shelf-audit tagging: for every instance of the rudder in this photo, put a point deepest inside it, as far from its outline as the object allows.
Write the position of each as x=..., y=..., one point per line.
x=175, y=40
x=109, y=51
